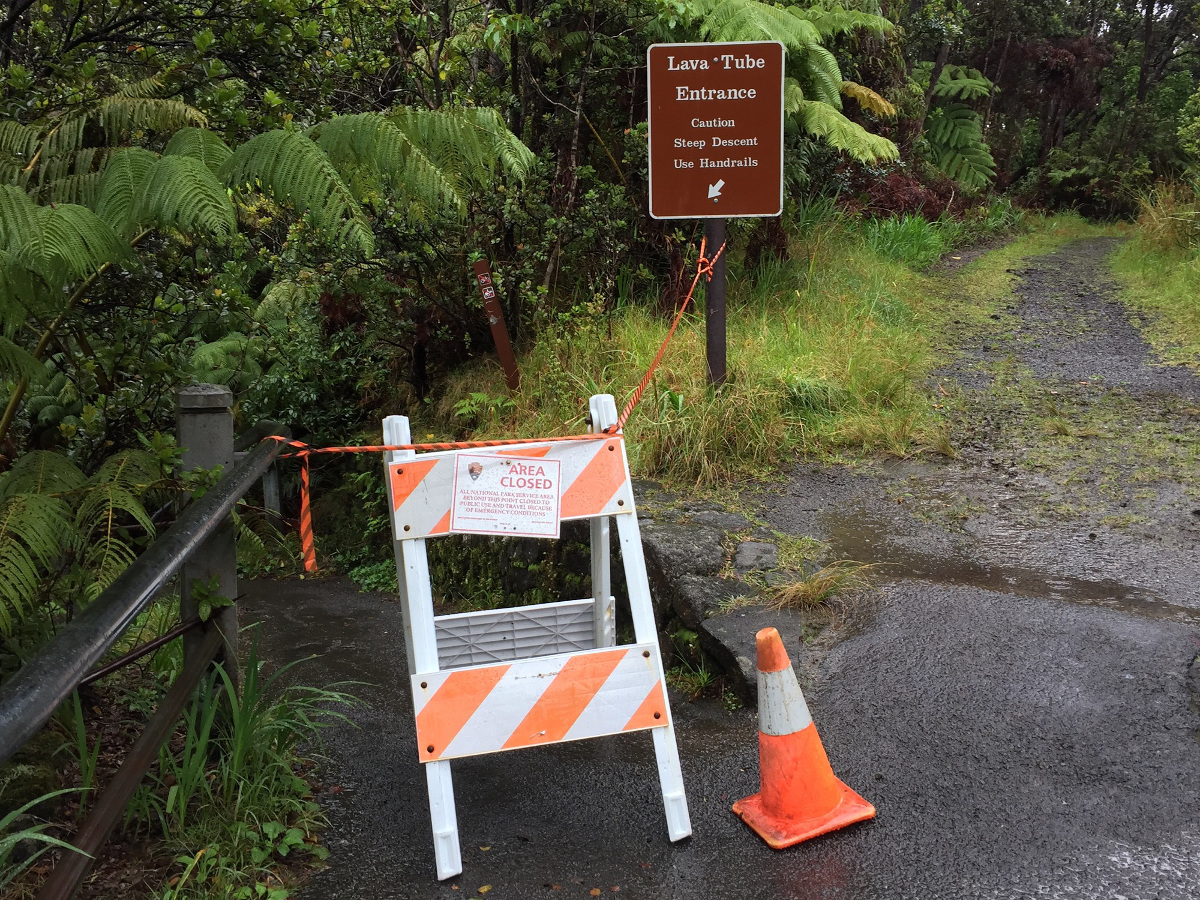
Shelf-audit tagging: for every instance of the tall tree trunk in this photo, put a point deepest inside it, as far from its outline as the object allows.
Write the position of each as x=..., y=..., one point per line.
x=987, y=112
x=1147, y=39
x=572, y=163
x=934, y=76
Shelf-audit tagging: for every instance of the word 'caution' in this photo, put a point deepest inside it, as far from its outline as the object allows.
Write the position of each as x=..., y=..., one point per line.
x=506, y=495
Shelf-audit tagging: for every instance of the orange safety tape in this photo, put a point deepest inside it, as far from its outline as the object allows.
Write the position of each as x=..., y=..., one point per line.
x=704, y=267
x=303, y=452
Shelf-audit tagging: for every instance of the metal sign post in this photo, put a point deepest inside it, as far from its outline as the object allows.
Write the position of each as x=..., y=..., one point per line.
x=716, y=147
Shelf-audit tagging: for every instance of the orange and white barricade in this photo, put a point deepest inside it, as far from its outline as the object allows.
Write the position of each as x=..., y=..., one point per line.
x=502, y=679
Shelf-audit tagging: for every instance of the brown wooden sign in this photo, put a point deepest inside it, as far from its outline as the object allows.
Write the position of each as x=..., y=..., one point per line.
x=491, y=305
x=716, y=129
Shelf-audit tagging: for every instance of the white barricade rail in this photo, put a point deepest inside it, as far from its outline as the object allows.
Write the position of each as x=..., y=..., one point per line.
x=503, y=679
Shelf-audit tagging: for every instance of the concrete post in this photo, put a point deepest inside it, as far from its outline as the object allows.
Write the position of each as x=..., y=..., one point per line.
x=205, y=421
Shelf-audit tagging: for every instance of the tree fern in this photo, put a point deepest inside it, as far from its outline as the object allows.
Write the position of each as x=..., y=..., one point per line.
x=140, y=189
x=824, y=121
x=957, y=148
x=293, y=170
x=111, y=500
x=814, y=78
x=749, y=20
x=41, y=472
x=836, y=21
x=469, y=144
x=375, y=155
x=35, y=530
x=58, y=159
x=201, y=144
x=232, y=359
x=961, y=83
x=283, y=309
x=16, y=361
x=868, y=99
x=61, y=244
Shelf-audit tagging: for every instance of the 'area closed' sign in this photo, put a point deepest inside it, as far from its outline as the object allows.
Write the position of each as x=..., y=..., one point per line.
x=716, y=129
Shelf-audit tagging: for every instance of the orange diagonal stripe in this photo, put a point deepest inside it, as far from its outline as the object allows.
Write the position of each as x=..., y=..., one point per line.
x=565, y=698
x=652, y=712
x=451, y=706
x=406, y=476
x=596, y=484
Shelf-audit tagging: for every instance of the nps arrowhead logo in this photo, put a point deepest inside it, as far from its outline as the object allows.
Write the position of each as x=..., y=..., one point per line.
x=714, y=190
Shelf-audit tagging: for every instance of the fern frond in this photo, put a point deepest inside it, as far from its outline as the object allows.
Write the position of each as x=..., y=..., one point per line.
x=824, y=121
x=283, y=307
x=41, y=472
x=750, y=20
x=66, y=137
x=184, y=194
x=837, y=21
x=18, y=216
x=793, y=95
x=124, y=182
x=201, y=144
x=293, y=170
x=961, y=83
x=955, y=137
x=19, y=140
x=148, y=88
x=868, y=99
x=226, y=360
x=468, y=144
x=121, y=115
x=82, y=189
x=73, y=243
x=824, y=76
x=62, y=243
x=105, y=558
x=13, y=171
x=17, y=362
x=35, y=529
x=19, y=289
x=372, y=151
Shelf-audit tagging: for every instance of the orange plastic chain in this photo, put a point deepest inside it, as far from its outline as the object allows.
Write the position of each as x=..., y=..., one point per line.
x=303, y=451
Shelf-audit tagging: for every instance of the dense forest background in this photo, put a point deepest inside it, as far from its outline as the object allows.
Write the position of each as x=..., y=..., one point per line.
x=285, y=196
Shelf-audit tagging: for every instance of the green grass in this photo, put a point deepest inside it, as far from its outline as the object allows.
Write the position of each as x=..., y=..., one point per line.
x=227, y=796
x=826, y=355
x=830, y=354
x=1163, y=283
x=811, y=591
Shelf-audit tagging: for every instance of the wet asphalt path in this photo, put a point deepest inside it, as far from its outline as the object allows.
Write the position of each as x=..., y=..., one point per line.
x=1013, y=747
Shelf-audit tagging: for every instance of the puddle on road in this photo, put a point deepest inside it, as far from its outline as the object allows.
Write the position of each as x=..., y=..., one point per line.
x=864, y=537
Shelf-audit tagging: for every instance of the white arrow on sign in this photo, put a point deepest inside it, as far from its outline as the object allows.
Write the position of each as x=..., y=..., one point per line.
x=714, y=190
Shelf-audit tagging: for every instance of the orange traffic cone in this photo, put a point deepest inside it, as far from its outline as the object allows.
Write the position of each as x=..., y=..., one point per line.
x=800, y=797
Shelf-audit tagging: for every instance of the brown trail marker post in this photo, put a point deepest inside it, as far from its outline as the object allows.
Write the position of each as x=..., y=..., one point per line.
x=716, y=148
x=491, y=305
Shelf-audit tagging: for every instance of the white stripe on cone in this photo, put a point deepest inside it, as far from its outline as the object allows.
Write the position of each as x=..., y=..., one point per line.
x=781, y=706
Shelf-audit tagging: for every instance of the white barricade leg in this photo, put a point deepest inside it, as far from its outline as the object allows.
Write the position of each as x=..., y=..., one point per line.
x=396, y=431
x=420, y=638
x=670, y=775
x=604, y=609
x=602, y=410
x=445, y=820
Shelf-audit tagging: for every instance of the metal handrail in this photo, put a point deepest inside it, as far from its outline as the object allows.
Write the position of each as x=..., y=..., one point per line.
x=30, y=697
